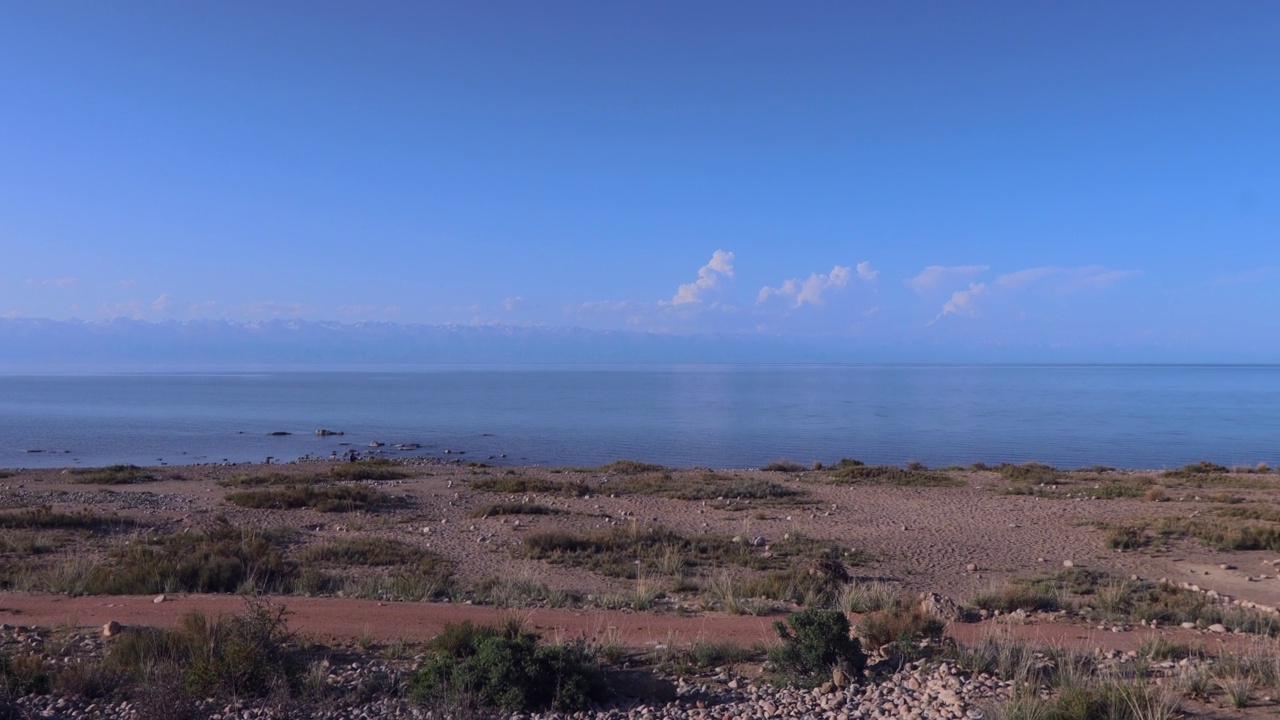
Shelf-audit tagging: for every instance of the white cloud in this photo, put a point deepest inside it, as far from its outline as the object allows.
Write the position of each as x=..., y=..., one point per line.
x=962, y=301
x=1093, y=277
x=865, y=272
x=1024, y=278
x=810, y=290
x=55, y=282
x=720, y=265
x=1249, y=277
x=512, y=304
x=937, y=275
x=161, y=303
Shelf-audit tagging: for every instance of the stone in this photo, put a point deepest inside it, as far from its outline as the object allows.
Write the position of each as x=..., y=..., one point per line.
x=941, y=607
x=1068, y=563
x=111, y=629
x=159, y=598
x=971, y=567
x=1217, y=628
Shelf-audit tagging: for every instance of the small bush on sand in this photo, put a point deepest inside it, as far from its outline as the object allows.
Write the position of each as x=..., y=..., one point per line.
x=507, y=669
x=849, y=473
x=336, y=498
x=43, y=518
x=814, y=642
x=1028, y=472
x=112, y=475
x=520, y=485
x=783, y=466
x=497, y=509
x=246, y=655
x=224, y=559
x=899, y=623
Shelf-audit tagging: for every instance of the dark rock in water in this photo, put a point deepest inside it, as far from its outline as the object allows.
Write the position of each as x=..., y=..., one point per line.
x=34, y=450
x=322, y=432
x=279, y=433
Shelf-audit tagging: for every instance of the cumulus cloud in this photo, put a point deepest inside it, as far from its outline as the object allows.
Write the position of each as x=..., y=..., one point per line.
x=940, y=275
x=810, y=290
x=865, y=272
x=961, y=301
x=512, y=304
x=709, y=275
x=161, y=303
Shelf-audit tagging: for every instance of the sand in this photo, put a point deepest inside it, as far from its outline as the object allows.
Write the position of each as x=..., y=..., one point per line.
x=921, y=539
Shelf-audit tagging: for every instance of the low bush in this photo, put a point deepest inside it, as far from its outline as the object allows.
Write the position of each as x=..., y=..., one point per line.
x=814, y=642
x=246, y=655
x=710, y=486
x=900, y=623
x=849, y=472
x=1028, y=472
x=520, y=485
x=224, y=559
x=783, y=466
x=336, y=498
x=112, y=475
x=507, y=669
x=497, y=509
x=630, y=467
x=44, y=518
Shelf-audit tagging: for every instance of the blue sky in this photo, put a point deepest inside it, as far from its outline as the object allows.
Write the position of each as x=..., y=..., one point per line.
x=1006, y=175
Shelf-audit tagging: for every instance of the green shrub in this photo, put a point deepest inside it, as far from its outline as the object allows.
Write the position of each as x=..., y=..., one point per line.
x=783, y=466
x=224, y=559
x=112, y=475
x=513, y=508
x=336, y=498
x=44, y=518
x=247, y=655
x=520, y=485
x=854, y=472
x=1028, y=472
x=816, y=642
x=507, y=669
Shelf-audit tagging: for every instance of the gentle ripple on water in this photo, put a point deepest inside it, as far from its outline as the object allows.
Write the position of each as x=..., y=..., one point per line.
x=713, y=415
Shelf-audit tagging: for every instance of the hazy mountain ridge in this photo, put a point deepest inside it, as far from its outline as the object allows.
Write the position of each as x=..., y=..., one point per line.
x=33, y=341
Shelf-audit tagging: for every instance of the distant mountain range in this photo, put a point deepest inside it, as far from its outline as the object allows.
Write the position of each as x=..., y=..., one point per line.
x=30, y=343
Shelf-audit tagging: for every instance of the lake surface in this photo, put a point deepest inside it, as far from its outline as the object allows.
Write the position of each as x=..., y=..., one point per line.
x=708, y=415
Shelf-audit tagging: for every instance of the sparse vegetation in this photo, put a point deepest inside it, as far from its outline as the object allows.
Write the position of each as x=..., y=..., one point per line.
x=784, y=465
x=333, y=498
x=620, y=552
x=496, y=509
x=521, y=485
x=710, y=486
x=44, y=518
x=113, y=475
x=508, y=669
x=814, y=642
x=851, y=472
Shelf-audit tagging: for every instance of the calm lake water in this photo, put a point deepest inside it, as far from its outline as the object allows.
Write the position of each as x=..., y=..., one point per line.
x=708, y=415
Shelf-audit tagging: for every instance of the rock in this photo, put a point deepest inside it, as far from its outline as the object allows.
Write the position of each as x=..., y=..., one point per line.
x=279, y=433
x=642, y=686
x=1217, y=628
x=971, y=567
x=941, y=607
x=159, y=599
x=111, y=629
x=376, y=443
x=759, y=541
x=1068, y=563
x=1188, y=626
x=324, y=433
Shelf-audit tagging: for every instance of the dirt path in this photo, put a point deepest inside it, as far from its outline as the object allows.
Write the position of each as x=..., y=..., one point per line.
x=345, y=620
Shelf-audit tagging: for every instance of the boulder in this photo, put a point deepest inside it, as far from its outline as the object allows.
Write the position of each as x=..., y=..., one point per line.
x=642, y=686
